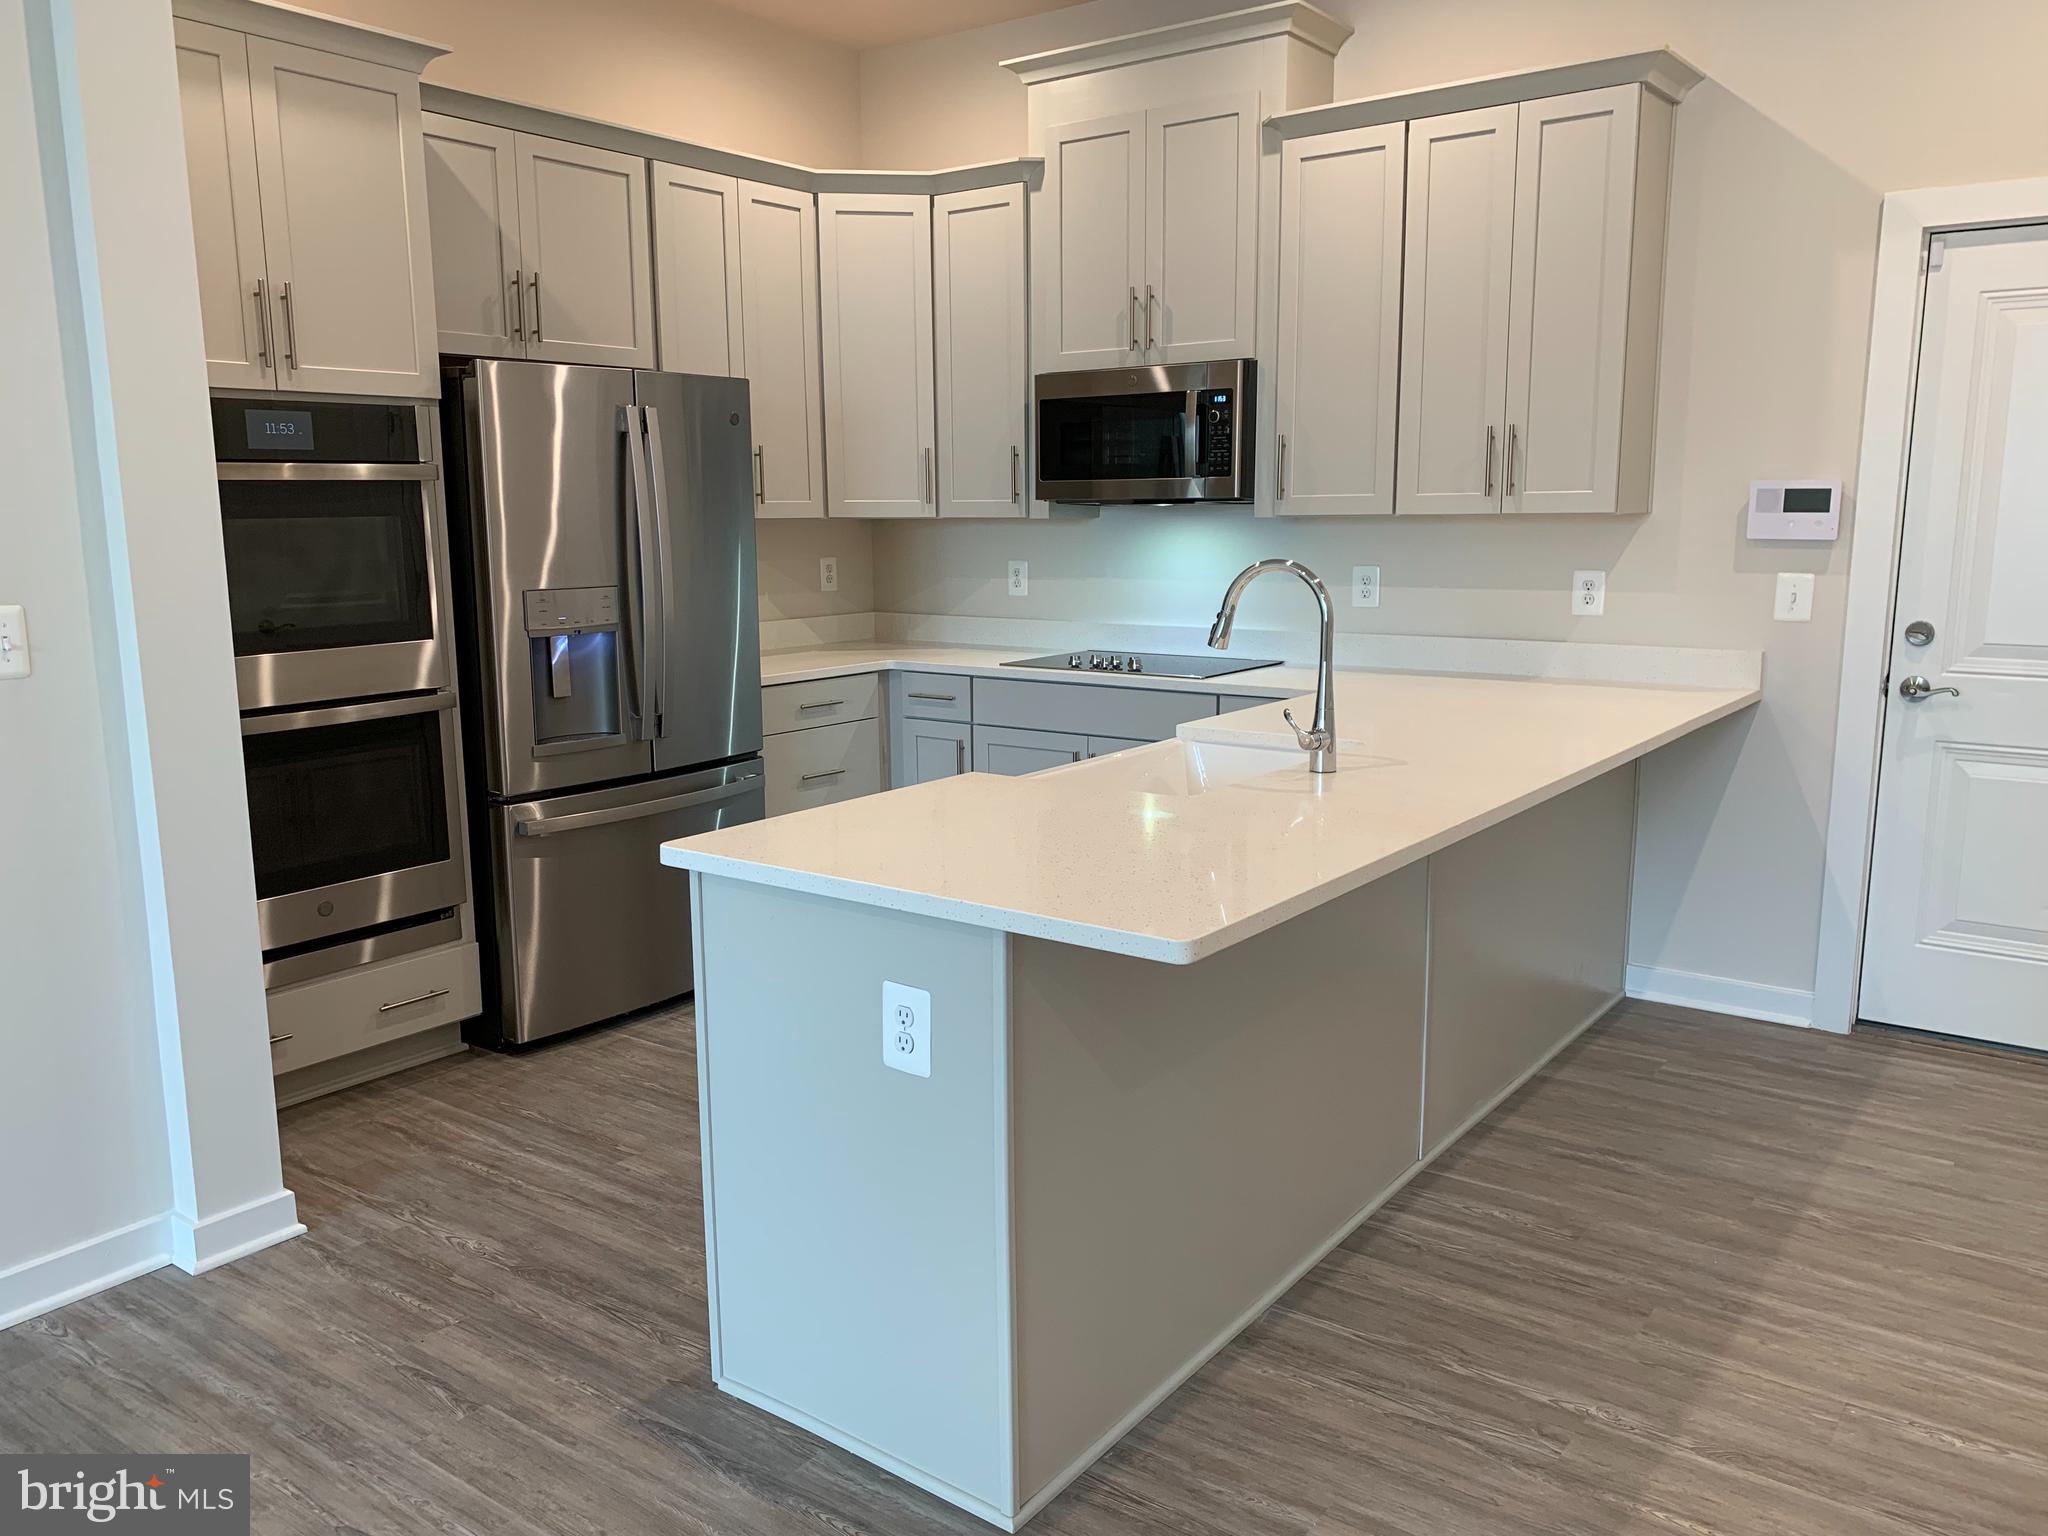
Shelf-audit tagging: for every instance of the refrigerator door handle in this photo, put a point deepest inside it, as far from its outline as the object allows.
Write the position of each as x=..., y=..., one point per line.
x=637, y=615
x=532, y=821
x=657, y=465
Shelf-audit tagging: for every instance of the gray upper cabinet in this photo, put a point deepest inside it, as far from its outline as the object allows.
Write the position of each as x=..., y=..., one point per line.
x=875, y=281
x=978, y=336
x=543, y=251
x=779, y=324
x=698, y=296
x=309, y=203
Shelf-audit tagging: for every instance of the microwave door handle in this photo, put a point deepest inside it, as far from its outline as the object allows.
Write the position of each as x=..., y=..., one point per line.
x=1192, y=439
x=657, y=471
x=636, y=587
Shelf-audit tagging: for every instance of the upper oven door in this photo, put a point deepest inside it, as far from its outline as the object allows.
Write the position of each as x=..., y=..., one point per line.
x=334, y=566
x=1168, y=433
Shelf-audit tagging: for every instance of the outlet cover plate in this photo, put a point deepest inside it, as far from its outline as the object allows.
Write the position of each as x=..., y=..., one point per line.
x=1365, y=586
x=1020, y=579
x=828, y=573
x=1589, y=594
x=907, y=1029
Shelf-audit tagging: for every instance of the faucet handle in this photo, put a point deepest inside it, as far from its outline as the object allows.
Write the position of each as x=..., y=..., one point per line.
x=1309, y=741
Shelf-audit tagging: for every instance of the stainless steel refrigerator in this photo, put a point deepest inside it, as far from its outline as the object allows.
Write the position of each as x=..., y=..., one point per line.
x=603, y=523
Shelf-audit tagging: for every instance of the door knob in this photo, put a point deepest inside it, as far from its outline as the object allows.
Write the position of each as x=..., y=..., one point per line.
x=1919, y=688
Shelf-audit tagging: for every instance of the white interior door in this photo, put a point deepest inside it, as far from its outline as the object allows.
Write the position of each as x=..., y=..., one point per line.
x=779, y=296
x=1201, y=225
x=1575, y=180
x=227, y=226
x=875, y=285
x=978, y=342
x=1091, y=260
x=473, y=198
x=1454, y=311
x=583, y=229
x=1957, y=935
x=1339, y=354
x=344, y=193
x=697, y=271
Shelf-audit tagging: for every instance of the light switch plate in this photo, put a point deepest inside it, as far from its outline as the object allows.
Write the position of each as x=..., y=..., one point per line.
x=1020, y=578
x=906, y=1029
x=1589, y=594
x=828, y=573
x=14, y=659
x=1794, y=602
x=1365, y=586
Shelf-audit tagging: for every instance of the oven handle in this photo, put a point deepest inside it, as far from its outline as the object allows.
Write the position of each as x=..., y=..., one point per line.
x=532, y=821
x=347, y=714
x=267, y=471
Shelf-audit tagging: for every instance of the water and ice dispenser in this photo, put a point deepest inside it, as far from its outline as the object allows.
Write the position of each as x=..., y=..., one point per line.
x=572, y=644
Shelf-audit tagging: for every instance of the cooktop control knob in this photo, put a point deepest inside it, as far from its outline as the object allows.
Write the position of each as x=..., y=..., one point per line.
x=1074, y=660
x=1132, y=664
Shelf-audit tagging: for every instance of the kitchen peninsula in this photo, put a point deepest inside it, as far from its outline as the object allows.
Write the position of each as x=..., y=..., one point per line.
x=1165, y=1026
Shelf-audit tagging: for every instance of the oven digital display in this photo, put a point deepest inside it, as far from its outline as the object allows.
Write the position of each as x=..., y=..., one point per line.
x=280, y=431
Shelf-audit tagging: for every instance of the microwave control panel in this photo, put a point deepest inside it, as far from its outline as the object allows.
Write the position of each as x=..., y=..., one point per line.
x=1217, y=421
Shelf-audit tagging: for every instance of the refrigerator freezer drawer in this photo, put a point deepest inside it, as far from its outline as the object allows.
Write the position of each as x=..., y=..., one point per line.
x=589, y=924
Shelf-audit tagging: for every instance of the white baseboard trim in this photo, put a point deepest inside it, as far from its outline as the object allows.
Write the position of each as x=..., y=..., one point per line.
x=1722, y=994
x=197, y=1247
x=57, y=1279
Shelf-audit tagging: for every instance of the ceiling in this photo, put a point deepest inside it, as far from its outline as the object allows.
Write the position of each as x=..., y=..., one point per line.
x=878, y=23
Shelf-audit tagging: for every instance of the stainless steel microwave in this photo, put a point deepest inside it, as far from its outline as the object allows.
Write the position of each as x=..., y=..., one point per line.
x=1177, y=432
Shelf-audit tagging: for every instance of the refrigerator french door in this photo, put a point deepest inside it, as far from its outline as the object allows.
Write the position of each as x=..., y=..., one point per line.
x=608, y=627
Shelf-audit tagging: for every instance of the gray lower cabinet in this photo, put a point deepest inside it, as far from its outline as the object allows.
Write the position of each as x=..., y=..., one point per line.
x=1102, y=746
x=924, y=750
x=1012, y=750
x=821, y=766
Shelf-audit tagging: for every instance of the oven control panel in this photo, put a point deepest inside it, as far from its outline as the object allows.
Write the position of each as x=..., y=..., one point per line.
x=571, y=610
x=1217, y=420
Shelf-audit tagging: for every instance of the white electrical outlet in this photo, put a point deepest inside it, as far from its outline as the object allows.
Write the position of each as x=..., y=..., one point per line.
x=828, y=573
x=1795, y=597
x=1589, y=594
x=906, y=1029
x=14, y=661
x=1365, y=586
x=1020, y=578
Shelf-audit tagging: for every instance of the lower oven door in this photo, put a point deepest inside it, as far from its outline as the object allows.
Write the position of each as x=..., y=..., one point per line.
x=354, y=815
x=589, y=922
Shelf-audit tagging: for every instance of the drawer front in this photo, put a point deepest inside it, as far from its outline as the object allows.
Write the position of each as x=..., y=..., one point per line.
x=1140, y=714
x=1008, y=750
x=1103, y=746
x=822, y=766
x=337, y=1015
x=933, y=696
x=830, y=701
x=929, y=749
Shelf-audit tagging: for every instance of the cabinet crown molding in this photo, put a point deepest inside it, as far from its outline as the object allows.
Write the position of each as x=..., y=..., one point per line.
x=1283, y=18
x=1663, y=72
x=312, y=29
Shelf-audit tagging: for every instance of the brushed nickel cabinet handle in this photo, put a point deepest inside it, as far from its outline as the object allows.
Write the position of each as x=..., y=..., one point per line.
x=760, y=479
x=960, y=755
x=927, y=477
x=938, y=698
x=533, y=282
x=1280, y=473
x=821, y=704
x=291, y=328
x=1512, y=432
x=518, y=307
x=280, y=1039
x=1148, y=317
x=407, y=1002
x=262, y=327
x=1016, y=471
x=1489, y=463
x=829, y=773
x=1134, y=318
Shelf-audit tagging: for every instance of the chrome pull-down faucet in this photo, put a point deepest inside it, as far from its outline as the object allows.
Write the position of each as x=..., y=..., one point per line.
x=1319, y=741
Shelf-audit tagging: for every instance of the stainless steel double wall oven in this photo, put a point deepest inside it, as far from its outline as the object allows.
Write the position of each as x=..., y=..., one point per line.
x=337, y=571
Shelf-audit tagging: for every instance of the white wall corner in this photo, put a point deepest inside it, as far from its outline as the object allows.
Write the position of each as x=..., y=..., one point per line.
x=56, y=1279
x=196, y=1247
x=1722, y=994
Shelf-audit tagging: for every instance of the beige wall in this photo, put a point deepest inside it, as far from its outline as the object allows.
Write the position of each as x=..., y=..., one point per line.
x=1810, y=112
x=686, y=68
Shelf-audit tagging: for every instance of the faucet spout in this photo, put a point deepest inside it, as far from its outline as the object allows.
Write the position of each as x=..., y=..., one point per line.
x=1320, y=739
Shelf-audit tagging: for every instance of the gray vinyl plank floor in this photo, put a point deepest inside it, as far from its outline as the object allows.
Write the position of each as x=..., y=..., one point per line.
x=1701, y=1276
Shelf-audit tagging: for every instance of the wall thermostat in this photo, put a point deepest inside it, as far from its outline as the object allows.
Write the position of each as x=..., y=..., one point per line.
x=1795, y=509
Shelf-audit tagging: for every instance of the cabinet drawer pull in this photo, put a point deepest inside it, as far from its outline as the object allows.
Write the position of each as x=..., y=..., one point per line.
x=262, y=326
x=280, y=1039
x=1488, y=491
x=760, y=479
x=533, y=281
x=938, y=698
x=291, y=327
x=407, y=1002
x=518, y=307
x=1148, y=317
x=927, y=477
x=1134, y=319
x=1513, y=432
x=821, y=704
x=1016, y=476
x=829, y=773
x=1280, y=479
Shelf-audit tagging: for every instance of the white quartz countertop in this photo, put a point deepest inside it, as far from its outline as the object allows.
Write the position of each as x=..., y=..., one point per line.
x=1173, y=851
x=850, y=659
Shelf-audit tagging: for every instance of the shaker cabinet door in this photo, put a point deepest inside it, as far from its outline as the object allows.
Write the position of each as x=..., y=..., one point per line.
x=227, y=228
x=1568, y=317
x=583, y=232
x=473, y=200
x=928, y=749
x=344, y=197
x=1090, y=262
x=1454, y=315
x=697, y=296
x=1200, y=293
x=875, y=283
x=978, y=331
x=779, y=303
x=1338, y=357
